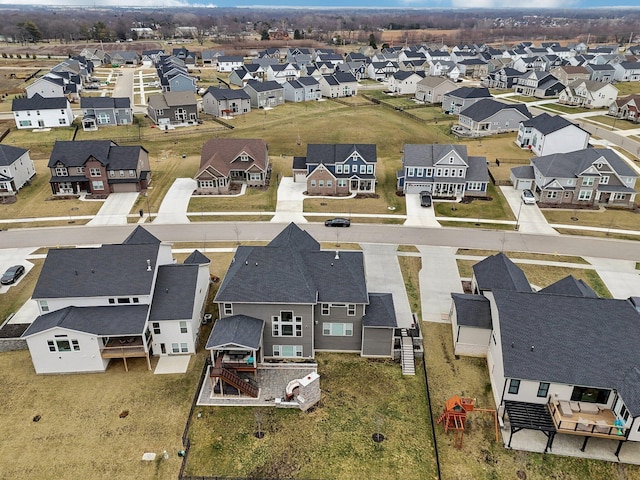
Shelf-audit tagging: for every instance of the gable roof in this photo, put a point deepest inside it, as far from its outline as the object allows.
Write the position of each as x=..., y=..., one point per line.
x=571, y=164
x=470, y=92
x=472, y=310
x=38, y=102
x=141, y=236
x=265, y=86
x=9, y=154
x=112, y=156
x=219, y=153
x=571, y=286
x=488, y=107
x=427, y=155
x=546, y=123
x=380, y=312
x=173, y=295
x=105, y=102
x=240, y=330
x=330, y=153
x=227, y=93
x=197, y=258
x=499, y=272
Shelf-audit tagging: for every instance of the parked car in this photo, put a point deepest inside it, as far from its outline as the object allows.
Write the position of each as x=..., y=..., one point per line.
x=528, y=198
x=337, y=222
x=425, y=198
x=12, y=275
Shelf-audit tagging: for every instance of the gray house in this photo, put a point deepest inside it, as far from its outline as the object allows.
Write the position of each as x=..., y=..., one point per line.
x=303, y=89
x=173, y=108
x=463, y=97
x=225, y=101
x=105, y=111
x=444, y=170
x=489, y=117
x=302, y=299
x=265, y=94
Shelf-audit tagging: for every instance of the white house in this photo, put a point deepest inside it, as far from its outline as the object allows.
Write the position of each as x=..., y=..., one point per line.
x=16, y=168
x=89, y=316
x=547, y=134
x=47, y=87
x=228, y=63
x=41, y=112
x=339, y=84
x=404, y=82
x=589, y=94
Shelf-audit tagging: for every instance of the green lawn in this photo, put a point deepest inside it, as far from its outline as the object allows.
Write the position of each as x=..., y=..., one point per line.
x=566, y=108
x=494, y=209
x=608, y=218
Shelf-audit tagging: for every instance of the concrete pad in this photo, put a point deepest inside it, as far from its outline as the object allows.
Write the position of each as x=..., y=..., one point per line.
x=529, y=217
x=27, y=313
x=384, y=276
x=620, y=276
x=115, y=209
x=173, y=208
x=172, y=364
x=439, y=277
x=417, y=215
x=289, y=206
x=14, y=256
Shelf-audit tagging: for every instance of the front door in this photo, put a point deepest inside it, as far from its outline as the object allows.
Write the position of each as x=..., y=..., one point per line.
x=163, y=349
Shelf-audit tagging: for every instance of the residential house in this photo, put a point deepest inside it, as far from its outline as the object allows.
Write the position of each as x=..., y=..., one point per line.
x=457, y=100
x=584, y=178
x=538, y=84
x=41, y=112
x=489, y=117
x=228, y=63
x=627, y=71
x=224, y=102
x=125, y=57
x=445, y=171
x=210, y=57
x=16, y=169
x=627, y=108
x=150, y=57
x=173, y=108
x=89, y=316
x=432, y=89
x=339, y=84
x=382, y=70
x=588, y=94
x=337, y=169
x=601, y=73
x=267, y=94
x=303, y=300
x=48, y=87
x=445, y=68
x=98, y=167
x=182, y=53
x=404, y=82
x=541, y=375
x=568, y=73
x=282, y=72
x=105, y=111
x=502, y=78
x=473, y=68
x=529, y=64
x=228, y=161
x=357, y=69
x=547, y=134
x=251, y=71
x=304, y=89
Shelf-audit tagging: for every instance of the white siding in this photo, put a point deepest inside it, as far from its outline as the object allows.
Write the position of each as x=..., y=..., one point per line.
x=87, y=359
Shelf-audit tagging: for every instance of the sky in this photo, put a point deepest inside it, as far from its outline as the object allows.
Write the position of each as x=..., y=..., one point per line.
x=396, y=4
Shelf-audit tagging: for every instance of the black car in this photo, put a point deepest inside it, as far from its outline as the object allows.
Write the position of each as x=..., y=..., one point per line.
x=425, y=199
x=337, y=222
x=12, y=275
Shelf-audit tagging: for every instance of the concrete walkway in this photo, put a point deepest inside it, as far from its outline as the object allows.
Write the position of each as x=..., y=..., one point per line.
x=528, y=217
x=620, y=276
x=384, y=276
x=172, y=364
x=439, y=278
x=115, y=209
x=289, y=206
x=417, y=215
x=175, y=204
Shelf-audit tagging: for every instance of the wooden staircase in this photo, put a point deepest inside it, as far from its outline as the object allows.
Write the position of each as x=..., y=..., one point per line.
x=406, y=354
x=235, y=381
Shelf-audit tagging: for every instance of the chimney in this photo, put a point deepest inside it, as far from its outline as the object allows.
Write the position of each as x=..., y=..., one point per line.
x=148, y=265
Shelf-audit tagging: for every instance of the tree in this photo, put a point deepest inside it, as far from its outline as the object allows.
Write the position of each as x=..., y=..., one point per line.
x=297, y=35
x=99, y=32
x=372, y=41
x=264, y=35
x=30, y=31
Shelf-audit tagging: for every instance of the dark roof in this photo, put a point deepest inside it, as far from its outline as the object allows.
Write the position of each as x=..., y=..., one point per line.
x=380, y=312
x=227, y=93
x=498, y=272
x=112, y=156
x=330, y=153
x=571, y=286
x=470, y=92
x=293, y=269
x=487, y=107
x=105, y=102
x=9, y=154
x=524, y=172
x=140, y=236
x=570, y=164
x=174, y=291
x=428, y=154
x=472, y=310
x=38, y=102
x=197, y=258
x=478, y=170
x=576, y=341
x=264, y=86
x=240, y=330
x=103, y=321
x=110, y=270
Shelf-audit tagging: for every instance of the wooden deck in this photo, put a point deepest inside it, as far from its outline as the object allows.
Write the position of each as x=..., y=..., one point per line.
x=587, y=424
x=126, y=347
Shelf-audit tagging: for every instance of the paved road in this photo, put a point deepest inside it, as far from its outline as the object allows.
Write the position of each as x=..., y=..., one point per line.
x=359, y=233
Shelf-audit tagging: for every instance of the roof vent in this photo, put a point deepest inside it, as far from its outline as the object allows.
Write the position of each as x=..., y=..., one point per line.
x=332, y=264
x=93, y=271
x=532, y=347
x=76, y=273
x=256, y=264
x=512, y=345
x=148, y=265
x=246, y=262
x=337, y=257
x=166, y=290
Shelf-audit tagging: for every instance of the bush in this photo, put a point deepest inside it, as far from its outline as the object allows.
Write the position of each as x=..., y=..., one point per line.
x=18, y=55
x=4, y=55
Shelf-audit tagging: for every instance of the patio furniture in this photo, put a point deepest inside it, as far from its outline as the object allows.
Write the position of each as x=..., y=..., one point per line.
x=582, y=425
x=601, y=426
x=565, y=408
x=591, y=408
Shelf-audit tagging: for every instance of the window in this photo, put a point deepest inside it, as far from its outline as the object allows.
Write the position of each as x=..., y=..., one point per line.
x=287, y=350
x=411, y=171
x=587, y=181
x=228, y=308
x=175, y=348
x=419, y=172
x=244, y=157
x=286, y=325
x=44, y=306
x=552, y=194
x=135, y=300
x=80, y=170
x=156, y=328
x=124, y=300
x=624, y=413
x=112, y=173
x=52, y=346
x=351, y=309
x=354, y=168
x=122, y=173
x=543, y=389
x=94, y=172
x=75, y=345
x=25, y=123
x=604, y=180
x=591, y=395
x=184, y=348
x=619, y=196
x=112, y=301
x=337, y=329
x=370, y=169
x=329, y=183
x=63, y=345
x=584, y=195
x=132, y=173
x=339, y=168
x=514, y=386
x=363, y=169
x=313, y=183
x=342, y=182
x=320, y=183
x=62, y=121
x=325, y=309
x=183, y=327
x=62, y=111
x=61, y=171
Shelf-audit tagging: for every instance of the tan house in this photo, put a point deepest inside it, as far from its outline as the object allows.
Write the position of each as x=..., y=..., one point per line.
x=431, y=89
x=227, y=161
x=568, y=73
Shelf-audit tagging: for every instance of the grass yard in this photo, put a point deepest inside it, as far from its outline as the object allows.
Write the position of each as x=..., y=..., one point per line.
x=494, y=209
x=607, y=218
x=410, y=267
x=39, y=144
x=627, y=88
x=557, y=107
x=525, y=255
x=619, y=123
x=359, y=398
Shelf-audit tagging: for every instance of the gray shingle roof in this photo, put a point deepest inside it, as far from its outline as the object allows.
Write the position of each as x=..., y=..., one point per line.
x=105, y=102
x=380, y=312
x=524, y=172
x=498, y=272
x=173, y=295
x=426, y=155
x=103, y=321
x=571, y=286
x=569, y=165
x=472, y=310
x=330, y=153
x=197, y=258
x=76, y=153
x=37, y=102
x=478, y=170
x=266, y=86
x=141, y=236
x=227, y=93
x=576, y=341
x=470, y=92
x=240, y=330
x=486, y=108
x=9, y=154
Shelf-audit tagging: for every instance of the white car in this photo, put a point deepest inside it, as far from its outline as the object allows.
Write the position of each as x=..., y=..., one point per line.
x=528, y=198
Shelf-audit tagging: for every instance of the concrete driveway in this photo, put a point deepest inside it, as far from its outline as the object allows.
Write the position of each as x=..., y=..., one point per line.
x=417, y=215
x=384, y=276
x=620, y=276
x=439, y=277
x=530, y=218
x=176, y=202
x=115, y=209
x=289, y=206
x=10, y=257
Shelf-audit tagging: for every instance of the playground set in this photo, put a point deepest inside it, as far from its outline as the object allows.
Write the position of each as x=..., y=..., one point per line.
x=455, y=413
